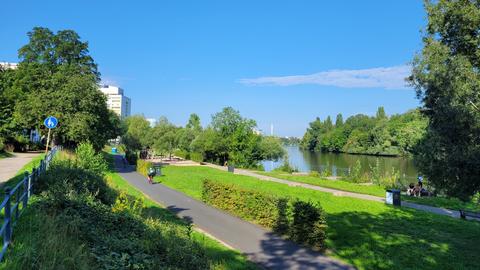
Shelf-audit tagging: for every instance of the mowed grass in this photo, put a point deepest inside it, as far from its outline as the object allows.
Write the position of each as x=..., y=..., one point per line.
x=223, y=257
x=375, y=190
x=369, y=235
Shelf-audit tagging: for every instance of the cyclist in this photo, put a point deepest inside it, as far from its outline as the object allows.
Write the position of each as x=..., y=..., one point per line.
x=151, y=174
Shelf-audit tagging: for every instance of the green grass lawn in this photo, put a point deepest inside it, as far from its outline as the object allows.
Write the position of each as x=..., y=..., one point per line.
x=223, y=257
x=35, y=162
x=375, y=190
x=369, y=235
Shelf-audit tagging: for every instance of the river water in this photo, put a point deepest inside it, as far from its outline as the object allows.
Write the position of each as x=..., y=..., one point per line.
x=339, y=163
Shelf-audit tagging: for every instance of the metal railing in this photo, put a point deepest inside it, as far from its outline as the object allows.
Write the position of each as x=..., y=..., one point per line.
x=18, y=196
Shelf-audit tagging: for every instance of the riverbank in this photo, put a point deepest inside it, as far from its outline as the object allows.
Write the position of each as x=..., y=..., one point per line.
x=375, y=190
x=369, y=235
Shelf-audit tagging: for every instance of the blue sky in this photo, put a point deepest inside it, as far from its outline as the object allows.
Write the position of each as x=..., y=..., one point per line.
x=280, y=62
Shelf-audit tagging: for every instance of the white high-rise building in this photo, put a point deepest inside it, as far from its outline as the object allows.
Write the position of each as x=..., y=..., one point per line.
x=116, y=100
x=8, y=65
x=152, y=121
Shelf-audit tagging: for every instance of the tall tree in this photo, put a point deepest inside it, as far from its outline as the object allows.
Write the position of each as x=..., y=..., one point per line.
x=138, y=133
x=339, y=120
x=58, y=77
x=381, y=115
x=446, y=76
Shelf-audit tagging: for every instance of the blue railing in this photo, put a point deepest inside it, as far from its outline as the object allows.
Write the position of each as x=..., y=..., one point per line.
x=18, y=196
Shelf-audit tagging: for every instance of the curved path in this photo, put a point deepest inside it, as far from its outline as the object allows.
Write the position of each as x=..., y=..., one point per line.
x=336, y=192
x=259, y=244
x=10, y=166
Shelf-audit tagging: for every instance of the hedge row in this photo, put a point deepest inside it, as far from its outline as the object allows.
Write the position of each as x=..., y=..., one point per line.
x=302, y=222
x=198, y=157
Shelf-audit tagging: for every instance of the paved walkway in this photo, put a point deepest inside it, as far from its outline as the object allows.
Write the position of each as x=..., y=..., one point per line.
x=336, y=192
x=260, y=245
x=10, y=166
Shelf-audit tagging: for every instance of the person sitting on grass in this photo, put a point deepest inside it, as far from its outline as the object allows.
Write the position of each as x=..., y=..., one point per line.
x=410, y=190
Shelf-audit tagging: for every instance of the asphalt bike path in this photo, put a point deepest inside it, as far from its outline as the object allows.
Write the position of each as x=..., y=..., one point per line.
x=258, y=244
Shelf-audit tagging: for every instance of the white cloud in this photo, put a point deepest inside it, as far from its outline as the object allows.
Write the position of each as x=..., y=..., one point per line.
x=382, y=77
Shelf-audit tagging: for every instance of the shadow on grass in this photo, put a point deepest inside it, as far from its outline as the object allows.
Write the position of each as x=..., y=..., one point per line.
x=405, y=239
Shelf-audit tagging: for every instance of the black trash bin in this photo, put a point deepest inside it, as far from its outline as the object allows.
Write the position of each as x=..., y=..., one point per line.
x=393, y=197
x=158, y=169
x=230, y=168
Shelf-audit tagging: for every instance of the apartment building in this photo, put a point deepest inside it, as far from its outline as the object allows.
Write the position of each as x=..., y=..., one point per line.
x=116, y=100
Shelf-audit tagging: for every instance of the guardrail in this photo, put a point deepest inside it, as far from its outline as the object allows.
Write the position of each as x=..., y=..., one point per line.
x=19, y=196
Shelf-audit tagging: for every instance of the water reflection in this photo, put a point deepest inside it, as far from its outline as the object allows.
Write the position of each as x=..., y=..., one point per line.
x=339, y=164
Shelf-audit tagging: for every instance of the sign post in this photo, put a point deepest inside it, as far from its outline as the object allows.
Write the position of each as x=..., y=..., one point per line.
x=50, y=122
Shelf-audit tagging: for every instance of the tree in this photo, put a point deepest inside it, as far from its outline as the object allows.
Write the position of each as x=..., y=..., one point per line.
x=137, y=133
x=381, y=115
x=53, y=50
x=328, y=125
x=165, y=137
x=194, y=123
x=446, y=77
x=56, y=76
x=339, y=120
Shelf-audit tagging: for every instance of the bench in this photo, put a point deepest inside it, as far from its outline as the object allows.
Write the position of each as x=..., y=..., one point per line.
x=464, y=214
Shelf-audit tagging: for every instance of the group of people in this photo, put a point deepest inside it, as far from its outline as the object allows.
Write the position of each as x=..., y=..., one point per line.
x=417, y=190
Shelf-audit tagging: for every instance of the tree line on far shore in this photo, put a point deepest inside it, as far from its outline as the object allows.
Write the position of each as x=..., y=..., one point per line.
x=363, y=134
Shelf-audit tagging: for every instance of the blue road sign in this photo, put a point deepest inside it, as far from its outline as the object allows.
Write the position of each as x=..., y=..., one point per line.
x=50, y=122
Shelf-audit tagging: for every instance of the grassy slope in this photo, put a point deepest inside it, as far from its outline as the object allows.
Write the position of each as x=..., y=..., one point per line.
x=223, y=257
x=450, y=203
x=369, y=235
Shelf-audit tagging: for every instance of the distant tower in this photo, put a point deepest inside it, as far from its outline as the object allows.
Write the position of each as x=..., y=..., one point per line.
x=271, y=129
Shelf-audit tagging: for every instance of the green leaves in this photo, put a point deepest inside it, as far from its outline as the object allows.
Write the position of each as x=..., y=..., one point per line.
x=361, y=134
x=446, y=77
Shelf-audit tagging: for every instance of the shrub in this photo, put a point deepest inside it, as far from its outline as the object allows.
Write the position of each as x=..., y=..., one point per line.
x=64, y=180
x=89, y=159
x=303, y=222
x=308, y=225
x=314, y=174
x=75, y=227
x=143, y=166
x=355, y=174
x=326, y=172
x=251, y=205
x=198, y=157
x=286, y=167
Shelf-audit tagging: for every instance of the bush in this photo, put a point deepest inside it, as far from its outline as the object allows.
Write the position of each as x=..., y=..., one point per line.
x=308, y=225
x=355, y=174
x=80, y=223
x=286, y=167
x=90, y=160
x=303, y=222
x=143, y=166
x=198, y=157
x=243, y=203
x=64, y=180
x=314, y=174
